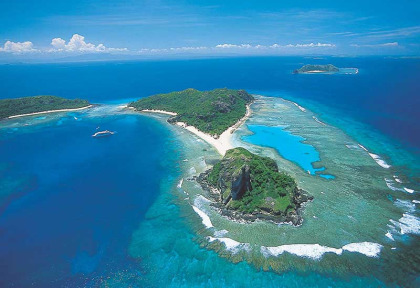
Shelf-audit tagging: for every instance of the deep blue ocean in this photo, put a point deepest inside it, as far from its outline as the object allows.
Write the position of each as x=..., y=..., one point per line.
x=77, y=200
x=80, y=198
x=384, y=95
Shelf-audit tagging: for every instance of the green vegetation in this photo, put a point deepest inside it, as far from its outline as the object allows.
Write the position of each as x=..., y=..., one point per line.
x=323, y=68
x=209, y=111
x=26, y=105
x=251, y=183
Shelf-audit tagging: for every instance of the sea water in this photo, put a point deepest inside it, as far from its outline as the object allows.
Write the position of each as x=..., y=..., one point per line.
x=120, y=211
x=69, y=220
x=288, y=145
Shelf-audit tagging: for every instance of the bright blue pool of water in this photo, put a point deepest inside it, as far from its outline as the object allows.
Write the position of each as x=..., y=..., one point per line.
x=288, y=145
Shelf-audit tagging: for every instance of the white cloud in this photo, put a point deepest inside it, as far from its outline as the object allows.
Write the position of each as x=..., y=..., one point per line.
x=58, y=43
x=311, y=45
x=390, y=44
x=274, y=46
x=229, y=46
x=400, y=32
x=188, y=48
x=18, y=47
x=77, y=43
x=235, y=47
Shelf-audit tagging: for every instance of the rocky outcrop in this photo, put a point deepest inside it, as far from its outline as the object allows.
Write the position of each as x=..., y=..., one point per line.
x=247, y=187
x=241, y=183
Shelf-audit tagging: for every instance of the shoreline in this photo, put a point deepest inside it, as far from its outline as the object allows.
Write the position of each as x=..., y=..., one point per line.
x=49, y=111
x=223, y=142
x=157, y=111
x=294, y=217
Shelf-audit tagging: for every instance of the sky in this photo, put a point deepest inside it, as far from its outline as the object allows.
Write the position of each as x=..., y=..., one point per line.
x=51, y=29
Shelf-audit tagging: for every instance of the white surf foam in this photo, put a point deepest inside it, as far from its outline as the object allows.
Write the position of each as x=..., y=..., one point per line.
x=199, y=201
x=405, y=205
x=231, y=245
x=378, y=160
x=376, y=157
x=316, y=251
x=391, y=186
x=220, y=233
x=353, y=147
x=411, y=191
x=397, y=179
x=180, y=183
x=416, y=201
x=300, y=107
x=205, y=219
x=363, y=147
x=367, y=248
x=389, y=235
x=319, y=121
x=408, y=224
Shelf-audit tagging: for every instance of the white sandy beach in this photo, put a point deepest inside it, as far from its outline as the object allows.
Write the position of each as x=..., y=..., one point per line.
x=159, y=111
x=223, y=143
x=49, y=111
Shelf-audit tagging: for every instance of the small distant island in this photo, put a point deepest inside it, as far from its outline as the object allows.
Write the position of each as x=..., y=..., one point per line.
x=211, y=112
x=26, y=106
x=247, y=187
x=317, y=69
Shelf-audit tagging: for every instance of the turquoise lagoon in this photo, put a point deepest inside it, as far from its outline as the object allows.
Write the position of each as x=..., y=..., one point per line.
x=289, y=146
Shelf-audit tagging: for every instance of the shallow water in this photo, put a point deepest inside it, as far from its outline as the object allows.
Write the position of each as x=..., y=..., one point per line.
x=289, y=146
x=353, y=210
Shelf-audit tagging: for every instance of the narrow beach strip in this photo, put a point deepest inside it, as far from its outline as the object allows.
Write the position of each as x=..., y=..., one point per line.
x=49, y=111
x=223, y=143
x=158, y=111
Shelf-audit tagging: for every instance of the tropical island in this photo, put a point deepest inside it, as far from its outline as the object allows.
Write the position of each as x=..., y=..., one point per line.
x=247, y=187
x=244, y=186
x=26, y=106
x=317, y=69
x=211, y=112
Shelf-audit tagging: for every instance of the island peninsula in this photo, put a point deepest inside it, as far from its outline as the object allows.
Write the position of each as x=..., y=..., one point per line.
x=212, y=115
x=244, y=186
x=27, y=106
